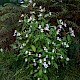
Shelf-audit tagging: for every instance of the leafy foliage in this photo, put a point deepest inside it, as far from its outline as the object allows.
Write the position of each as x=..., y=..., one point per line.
x=41, y=43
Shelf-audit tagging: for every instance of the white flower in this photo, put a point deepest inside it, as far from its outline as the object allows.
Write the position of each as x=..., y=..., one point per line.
x=29, y=19
x=67, y=59
x=24, y=44
x=44, y=59
x=30, y=26
x=26, y=60
x=46, y=28
x=38, y=79
x=73, y=34
x=53, y=50
x=70, y=29
x=14, y=34
x=46, y=56
x=67, y=45
x=30, y=1
x=39, y=55
x=20, y=21
x=61, y=22
x=48, y=42
x=22, y=15
x=52, y=57
x=33, y=19
x=64, y=25
x=59, y=39
x=21, y=2
x=45, y=65
x=60, y=26
x=19, y=44
x=21, y=47
x=39, y=27
x=36, y=55
x=54, y=43
x=15, y=31
x=18, y=34
x=25, y=31
x=40, y=60
x=44, y=71
x=58, y=31
x=34, y=4
x=40, y=7
x=34, y=60
x=26, y=35
x=1, y=50
x=32, y=12
x=39, y=15
x=60, y=0
x=50, y=13
x=64, y=43
x=55, y=27
x=61, y=57
x=49, y=62
x=29, y=53
x=26, y=52
x=42, y=30
x=34, y=64
x=45, y=49
x=42, y=10
x=47, y=25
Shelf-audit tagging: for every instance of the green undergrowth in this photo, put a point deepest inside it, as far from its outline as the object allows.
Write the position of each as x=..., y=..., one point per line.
x=12, y=69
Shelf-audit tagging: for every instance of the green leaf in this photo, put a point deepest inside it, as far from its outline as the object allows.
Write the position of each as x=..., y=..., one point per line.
x=40, y=72
x=37, y=38
x=69, y=38
x=33, y=48
x=23, y=6
x=58, y=45
x=27, y=41
x=64, y=39
x=47, y=15
x=42, y=24
x=36, y=74
x=58, y=21
x=40, y=18
x=48, y=40
x=45, y=77
x=58, y=54
x=55, y=65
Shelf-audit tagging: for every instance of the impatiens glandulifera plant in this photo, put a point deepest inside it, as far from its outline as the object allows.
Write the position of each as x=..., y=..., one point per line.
x=41, y=43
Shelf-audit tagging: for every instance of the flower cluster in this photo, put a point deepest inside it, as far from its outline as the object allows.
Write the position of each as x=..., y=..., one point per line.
x=40, y=42
x=1, y=50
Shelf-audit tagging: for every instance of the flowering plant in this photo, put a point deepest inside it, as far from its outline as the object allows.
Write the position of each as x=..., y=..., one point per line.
x=41, y=43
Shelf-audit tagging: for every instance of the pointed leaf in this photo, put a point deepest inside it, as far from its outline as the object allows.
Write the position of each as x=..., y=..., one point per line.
x=45, y=77
x=40, y=72
x=55, y=65
x=33, y=48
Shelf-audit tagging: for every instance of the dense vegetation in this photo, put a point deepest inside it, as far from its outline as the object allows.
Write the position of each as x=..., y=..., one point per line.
x=14, y=65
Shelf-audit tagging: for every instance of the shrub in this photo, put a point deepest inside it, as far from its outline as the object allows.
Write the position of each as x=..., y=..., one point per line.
x=41, y=43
